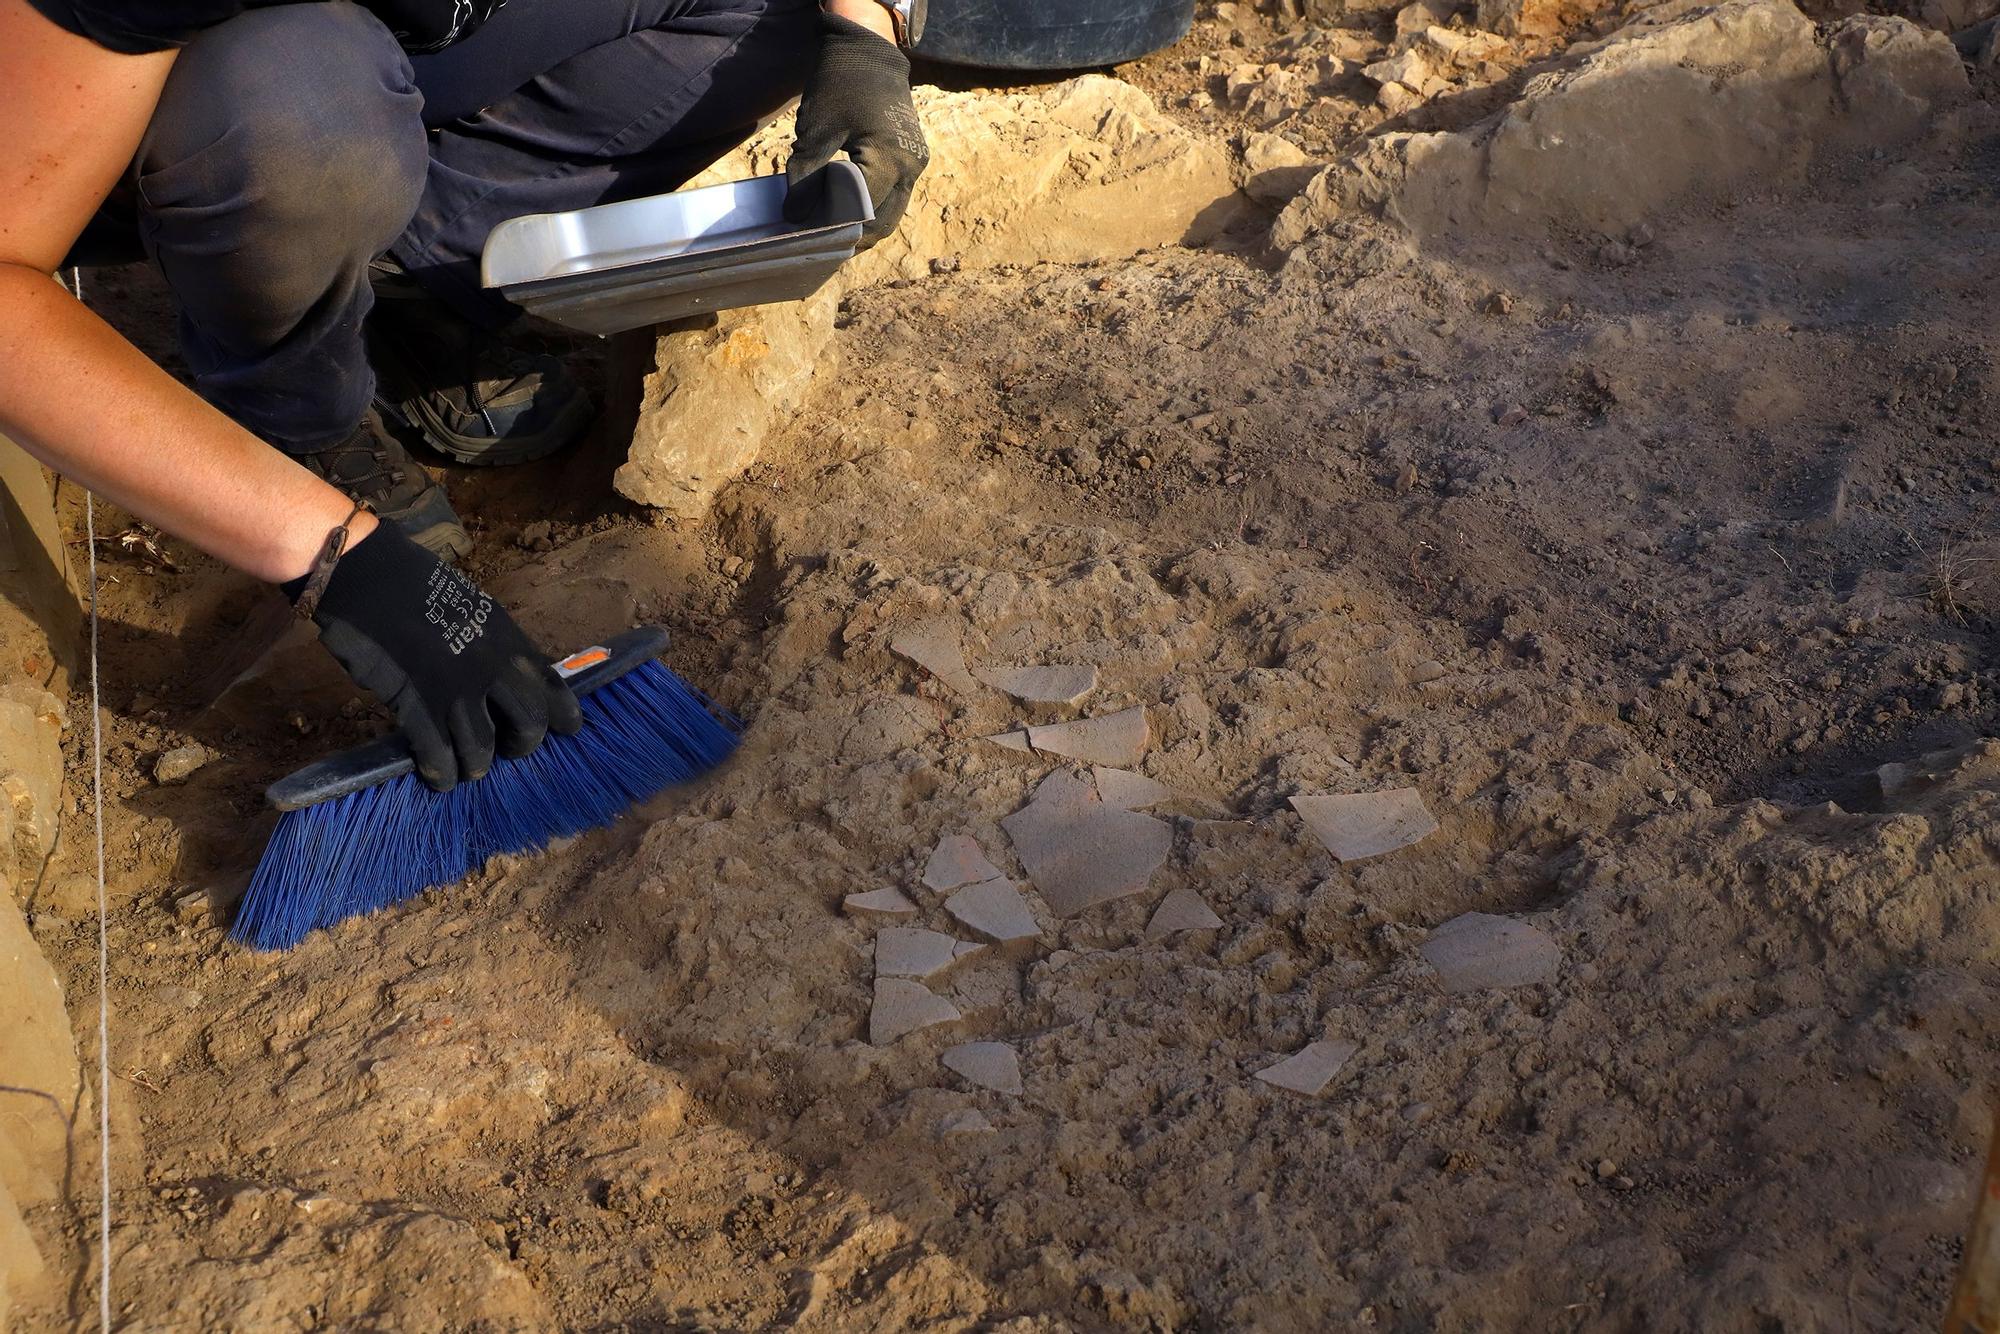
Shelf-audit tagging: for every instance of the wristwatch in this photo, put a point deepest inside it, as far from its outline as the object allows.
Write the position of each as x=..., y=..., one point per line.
x=909, y=19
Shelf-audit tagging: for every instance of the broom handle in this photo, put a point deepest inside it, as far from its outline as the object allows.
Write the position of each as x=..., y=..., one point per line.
x=388, y=757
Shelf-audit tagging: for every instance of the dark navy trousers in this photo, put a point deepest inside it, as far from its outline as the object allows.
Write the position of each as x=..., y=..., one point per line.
x=295, y=144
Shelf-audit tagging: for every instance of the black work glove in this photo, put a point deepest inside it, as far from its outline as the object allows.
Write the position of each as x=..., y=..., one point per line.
x=858, y=100
x=461, y=676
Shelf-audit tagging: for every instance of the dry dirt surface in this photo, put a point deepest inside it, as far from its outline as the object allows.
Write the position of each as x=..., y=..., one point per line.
x=1658, y=564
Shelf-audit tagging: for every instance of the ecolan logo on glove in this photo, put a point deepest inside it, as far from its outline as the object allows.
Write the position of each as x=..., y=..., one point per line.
x=453, y=605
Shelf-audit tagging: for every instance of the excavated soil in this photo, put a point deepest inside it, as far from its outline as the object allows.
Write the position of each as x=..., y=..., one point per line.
x=1638, y=558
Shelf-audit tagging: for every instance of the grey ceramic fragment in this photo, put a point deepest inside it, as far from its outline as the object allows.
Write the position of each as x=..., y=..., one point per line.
x=1042, y=685
x=964, y=1121
x=1118, y=739
x=1081, y=852
x=902, y=1007
x=878, y=903
x=1478, y=950
x=957, y=860
x=1129, y=791
x=902, y=951
x=992, y=1065
x=1182, y=910
x=1310, y=1070
x=995, y=910
x=1012, y=741
x=934, y=645
x=1367, y=824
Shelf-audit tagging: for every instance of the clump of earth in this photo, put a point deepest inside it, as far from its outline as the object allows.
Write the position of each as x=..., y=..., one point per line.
x=1639, y=547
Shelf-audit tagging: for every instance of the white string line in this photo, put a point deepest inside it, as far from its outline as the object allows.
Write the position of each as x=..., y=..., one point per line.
x=103, y=935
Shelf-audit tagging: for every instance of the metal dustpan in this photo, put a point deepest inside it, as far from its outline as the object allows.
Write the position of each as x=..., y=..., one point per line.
x=623, y=266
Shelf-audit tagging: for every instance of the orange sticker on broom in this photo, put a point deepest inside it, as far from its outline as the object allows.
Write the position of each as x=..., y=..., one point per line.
x=577, y=662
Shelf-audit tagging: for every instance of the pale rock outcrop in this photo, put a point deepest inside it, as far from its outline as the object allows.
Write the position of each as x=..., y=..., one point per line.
x=1686, y=102
x=1088, y=169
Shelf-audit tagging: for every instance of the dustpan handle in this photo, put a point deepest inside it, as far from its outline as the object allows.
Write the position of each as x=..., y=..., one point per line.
x=388, y=757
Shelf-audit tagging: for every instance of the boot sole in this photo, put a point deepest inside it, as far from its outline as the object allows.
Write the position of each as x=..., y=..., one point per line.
x=486, y=452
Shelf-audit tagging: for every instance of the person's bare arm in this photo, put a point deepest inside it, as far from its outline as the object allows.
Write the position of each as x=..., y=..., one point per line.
x=73, y=392
x=868, y=14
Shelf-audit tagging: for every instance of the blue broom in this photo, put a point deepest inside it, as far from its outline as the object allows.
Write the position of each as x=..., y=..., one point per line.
x=361, y=831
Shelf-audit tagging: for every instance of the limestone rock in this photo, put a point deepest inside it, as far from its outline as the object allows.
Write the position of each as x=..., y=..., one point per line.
x=1537, y=18
x=1274, y=168
x=38, y=1060
x=31, y=775
x=1684, y=102
x=1895, y=70
x=1092, y=170
x=179, y=764
x=992, y=1065
x=41, y=608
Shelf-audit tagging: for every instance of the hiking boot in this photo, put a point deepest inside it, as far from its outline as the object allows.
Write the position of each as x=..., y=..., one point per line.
x=370, y=466
x=471, y=396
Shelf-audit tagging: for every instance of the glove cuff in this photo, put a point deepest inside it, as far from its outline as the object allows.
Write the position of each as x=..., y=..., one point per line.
x=847, y=44
x=385, y=559
x=306, y=590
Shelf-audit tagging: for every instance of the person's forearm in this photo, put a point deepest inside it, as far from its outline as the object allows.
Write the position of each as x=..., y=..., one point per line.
x=87, y=403
x=867, y=13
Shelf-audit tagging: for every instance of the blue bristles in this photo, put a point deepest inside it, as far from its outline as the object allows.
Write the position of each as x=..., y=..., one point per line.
x=642, y=733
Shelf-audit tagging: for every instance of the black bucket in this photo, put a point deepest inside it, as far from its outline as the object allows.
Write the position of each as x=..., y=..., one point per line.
x=1051, y=34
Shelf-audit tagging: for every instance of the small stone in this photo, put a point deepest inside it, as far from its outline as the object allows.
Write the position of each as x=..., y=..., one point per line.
x=1893, y=778
x=178, y=764
x=1475, y=951
x=902, y=1007
x=1606, y=1169
x=192, y=906
x=536, y=536
x=902, y=951
x=1042, y=685
x=992, y=1065
x=1427, y=671
x=958, y=860
x=1182, y=910
x=1367, y=824
x=995, y=910
x=878, y=903
x=1312, y=1069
